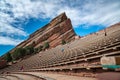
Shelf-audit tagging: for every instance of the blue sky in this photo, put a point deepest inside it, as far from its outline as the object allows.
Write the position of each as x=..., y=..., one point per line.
x=19, y=18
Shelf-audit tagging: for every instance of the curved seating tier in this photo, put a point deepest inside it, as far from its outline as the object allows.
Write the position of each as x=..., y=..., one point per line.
x=84, y=50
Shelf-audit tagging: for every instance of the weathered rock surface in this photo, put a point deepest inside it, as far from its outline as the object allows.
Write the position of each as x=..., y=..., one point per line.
x=60, y=28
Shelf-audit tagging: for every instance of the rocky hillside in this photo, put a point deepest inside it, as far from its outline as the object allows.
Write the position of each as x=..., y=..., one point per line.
x=59, y=28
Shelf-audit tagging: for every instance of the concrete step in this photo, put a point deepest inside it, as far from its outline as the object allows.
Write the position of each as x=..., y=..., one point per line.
x=4, y=78
x=25, y=76
x=51, y=76
x=13, y=77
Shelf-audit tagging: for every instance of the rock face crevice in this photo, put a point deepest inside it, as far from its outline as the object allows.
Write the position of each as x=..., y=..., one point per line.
x=59, y=28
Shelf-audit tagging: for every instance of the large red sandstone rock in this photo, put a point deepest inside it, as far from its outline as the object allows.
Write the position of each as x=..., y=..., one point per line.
x=60, y=28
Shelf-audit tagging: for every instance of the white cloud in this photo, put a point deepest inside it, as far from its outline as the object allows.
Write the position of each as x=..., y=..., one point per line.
x=103, y=13
x=89, y=12
x=73, y=14
x=6, y=20
x=9, y=41
x=12, y=30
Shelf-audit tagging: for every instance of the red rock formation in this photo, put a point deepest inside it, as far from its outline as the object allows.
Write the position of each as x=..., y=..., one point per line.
x=60, y=28
x=3, y=63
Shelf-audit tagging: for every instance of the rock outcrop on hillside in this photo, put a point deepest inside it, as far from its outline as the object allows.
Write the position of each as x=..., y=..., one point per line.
x=59, y=28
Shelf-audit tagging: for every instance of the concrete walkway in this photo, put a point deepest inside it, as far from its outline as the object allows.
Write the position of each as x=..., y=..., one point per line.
x=50, y=76
x=25, y=77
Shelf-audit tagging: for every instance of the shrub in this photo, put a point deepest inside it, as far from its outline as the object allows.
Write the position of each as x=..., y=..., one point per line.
x=40, y=48
x=29, y=50
x=18, y=53
x=36, y=50
x=8, y=57
x=46, y=45
x=63, y=42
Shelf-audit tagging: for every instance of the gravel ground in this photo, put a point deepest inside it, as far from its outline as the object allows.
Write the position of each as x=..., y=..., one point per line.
x=109, y=76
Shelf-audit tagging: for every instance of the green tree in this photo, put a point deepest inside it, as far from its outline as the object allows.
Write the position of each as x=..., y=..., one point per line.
x=29, y=50
x=18, y=53
x=8, y=57
x=46, y=45
x=40, y=48
x=22, y=52
x=35, y=50
x=63, y=42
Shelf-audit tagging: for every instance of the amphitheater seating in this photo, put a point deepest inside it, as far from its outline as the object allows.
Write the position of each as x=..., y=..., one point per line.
x=82, y=53
x=20, y=76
